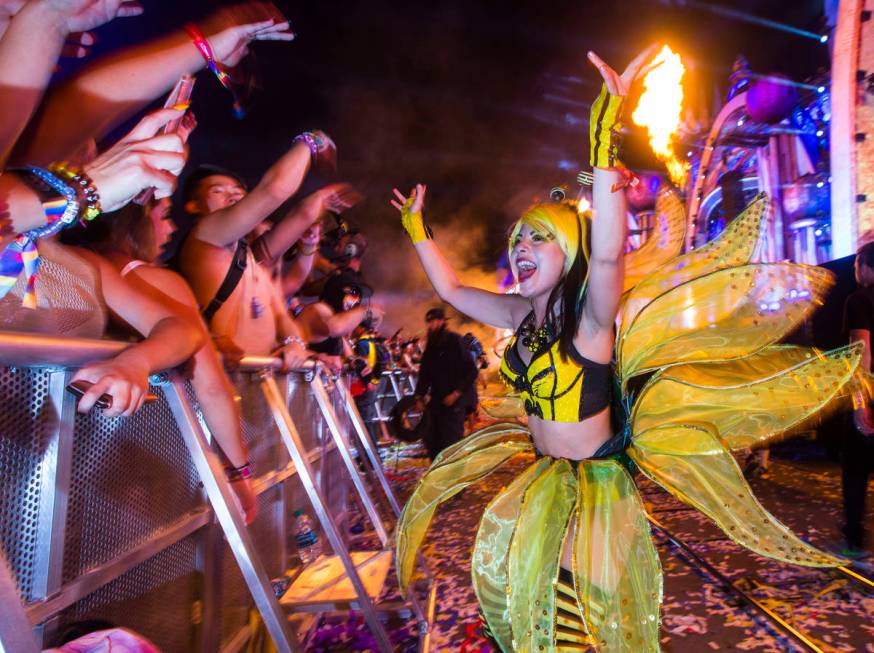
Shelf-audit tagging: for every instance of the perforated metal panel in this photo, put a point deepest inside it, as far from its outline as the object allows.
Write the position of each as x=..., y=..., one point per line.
x=131, y=477
x=259, y=429
x=235, y=597
x=25, y=430
x=154, y=598
x=304, y=411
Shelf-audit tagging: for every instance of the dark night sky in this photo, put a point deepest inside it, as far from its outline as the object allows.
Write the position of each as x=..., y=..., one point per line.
x=480, y=99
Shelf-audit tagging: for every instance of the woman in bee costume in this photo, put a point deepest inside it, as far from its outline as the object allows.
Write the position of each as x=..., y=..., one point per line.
x=563, y=557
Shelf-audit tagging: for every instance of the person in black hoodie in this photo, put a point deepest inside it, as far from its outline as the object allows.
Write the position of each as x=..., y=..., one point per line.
x=448, y=375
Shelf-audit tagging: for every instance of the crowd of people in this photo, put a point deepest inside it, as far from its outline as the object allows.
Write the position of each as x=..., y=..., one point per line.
x=85, y=230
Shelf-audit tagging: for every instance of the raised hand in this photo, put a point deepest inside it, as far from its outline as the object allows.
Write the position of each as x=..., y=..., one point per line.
x=621, y=84
x=231, y=29
x=139, y=160
x=84, y=15
x=411, y=212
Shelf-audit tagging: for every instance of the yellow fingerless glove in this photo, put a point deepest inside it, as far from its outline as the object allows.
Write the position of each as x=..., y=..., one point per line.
x=604, y=130
x=414, y=223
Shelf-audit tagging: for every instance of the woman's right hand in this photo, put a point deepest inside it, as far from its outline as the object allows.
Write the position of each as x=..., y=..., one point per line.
x=242, y=487
x=138, y=161
x=230, y=30
x=124, y=380
x=411, y=212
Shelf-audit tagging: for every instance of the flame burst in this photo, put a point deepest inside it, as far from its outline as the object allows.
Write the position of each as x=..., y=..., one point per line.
x=659, y=110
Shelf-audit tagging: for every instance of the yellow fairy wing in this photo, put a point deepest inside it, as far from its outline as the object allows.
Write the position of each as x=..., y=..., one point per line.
x=484, y=437
x=750, y=400
x=535, y=552
x=723, y=315
x=451, y=472
x=665, y=243
x=616, y=567
x=692, y=464
x=488, y=565
x=736, y=245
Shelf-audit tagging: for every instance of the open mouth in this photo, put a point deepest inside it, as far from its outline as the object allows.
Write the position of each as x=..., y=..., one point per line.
x=526, y=270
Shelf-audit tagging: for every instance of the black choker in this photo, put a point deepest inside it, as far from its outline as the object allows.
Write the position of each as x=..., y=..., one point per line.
x=535, y=340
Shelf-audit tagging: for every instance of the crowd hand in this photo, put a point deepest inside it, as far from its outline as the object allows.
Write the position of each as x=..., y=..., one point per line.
x=411, y=212
x=334, y=364
x=126, y=383
x=377, y=315
x=231, y=353
x=188, y=125
x=139, y=160
x=337, y=198
x=78, y=45
x=230, y=30
x=451, y=398
x=294, y=356
x=85, y=15
x=621, y=84
x=242, y=487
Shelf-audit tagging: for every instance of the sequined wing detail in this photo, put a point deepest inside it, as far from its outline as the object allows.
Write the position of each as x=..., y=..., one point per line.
x=489, y=561
x=617, y=574
x=735, y=246
x=535, y=552
x=724, y=315
x=663, y=245
x=751, y=400
x=692, y=464
x=454, y=469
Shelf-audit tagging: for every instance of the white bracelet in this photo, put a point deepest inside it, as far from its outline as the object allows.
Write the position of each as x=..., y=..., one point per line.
x=293, y=340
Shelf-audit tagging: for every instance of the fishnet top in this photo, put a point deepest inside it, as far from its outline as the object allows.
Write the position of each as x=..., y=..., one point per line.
x=68, y=294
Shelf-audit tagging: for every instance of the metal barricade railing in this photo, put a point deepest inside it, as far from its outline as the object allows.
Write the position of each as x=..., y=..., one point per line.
x=132, y=519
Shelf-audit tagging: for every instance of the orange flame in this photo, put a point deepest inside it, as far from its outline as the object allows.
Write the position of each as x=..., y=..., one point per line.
x=659, y=110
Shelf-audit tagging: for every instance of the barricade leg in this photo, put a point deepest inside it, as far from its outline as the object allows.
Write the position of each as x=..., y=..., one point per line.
x=292, y=441
x=221, y=497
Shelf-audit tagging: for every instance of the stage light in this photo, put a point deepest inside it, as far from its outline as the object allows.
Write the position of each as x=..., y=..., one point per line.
x=740, y=122
x=823, y=38
x=820, y=184
x=821, y=89
x=819, y=132
x=818, y=232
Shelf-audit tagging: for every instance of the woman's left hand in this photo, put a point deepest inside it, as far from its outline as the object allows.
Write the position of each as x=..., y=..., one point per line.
x=242, y=487
x=621, y=84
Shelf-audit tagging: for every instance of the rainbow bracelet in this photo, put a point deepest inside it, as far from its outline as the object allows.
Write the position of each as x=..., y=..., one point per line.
x=217, y=67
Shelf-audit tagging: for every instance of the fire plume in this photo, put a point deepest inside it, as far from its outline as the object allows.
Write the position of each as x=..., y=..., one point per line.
x=660, y=108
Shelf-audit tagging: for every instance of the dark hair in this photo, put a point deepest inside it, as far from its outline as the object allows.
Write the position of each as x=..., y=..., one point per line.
x=866, y=255
x=127, y=231
x=568, y=293
x=201, y=172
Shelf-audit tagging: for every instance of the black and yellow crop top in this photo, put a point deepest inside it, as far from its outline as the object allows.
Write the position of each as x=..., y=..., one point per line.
x=557, y=390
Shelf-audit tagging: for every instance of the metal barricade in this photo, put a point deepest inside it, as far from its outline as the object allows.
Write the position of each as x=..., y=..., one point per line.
x=131, y=520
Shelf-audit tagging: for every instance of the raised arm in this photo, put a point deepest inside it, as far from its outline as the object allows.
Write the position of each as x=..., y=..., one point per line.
x=281, y=181
x=296, y=273
x=609, y=225
x=122, y=83
x=502, y=311
x=270, y=247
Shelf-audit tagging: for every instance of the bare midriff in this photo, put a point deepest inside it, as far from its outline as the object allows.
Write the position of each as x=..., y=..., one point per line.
x=571, y=440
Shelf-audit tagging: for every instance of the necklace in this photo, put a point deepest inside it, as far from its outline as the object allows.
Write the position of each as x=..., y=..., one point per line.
x=535, y=339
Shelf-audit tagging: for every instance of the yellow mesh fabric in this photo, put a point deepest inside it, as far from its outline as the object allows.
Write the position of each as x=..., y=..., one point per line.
x=664, y=244
x=693, y=465
x=723, y=315
x=535, y=552
x=454, y=469
x=736, y=245
x=750, y=400
x=616, y=568
x=488, y=564
x=503, y=407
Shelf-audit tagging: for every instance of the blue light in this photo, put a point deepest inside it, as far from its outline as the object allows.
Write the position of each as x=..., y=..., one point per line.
x=821, y=89
x=823, y=38
x=819, y=132
x=820, y=184
x=740, y=122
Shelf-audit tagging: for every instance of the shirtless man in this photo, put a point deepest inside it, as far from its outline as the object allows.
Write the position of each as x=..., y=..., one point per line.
x=229, y=230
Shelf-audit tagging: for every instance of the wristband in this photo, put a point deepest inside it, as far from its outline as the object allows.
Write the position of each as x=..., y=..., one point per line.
x=60, y=203
x=604, y=128
x=414, y=224
x=243, y=472
x=89, y=198
x=293, y=340
x=216, y=67
x=316, y=141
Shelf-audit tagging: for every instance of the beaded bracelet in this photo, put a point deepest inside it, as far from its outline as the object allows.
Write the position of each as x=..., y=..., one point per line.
x=243, y=472
x=317, y=141
x=216, y=67
x=84, y=185
x=293, y=340
x=61, y=211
